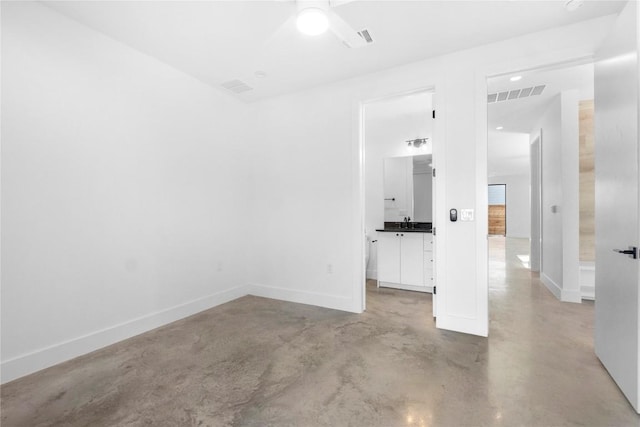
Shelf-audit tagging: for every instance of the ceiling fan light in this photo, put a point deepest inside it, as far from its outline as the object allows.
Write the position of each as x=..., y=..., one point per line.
x=312, y=21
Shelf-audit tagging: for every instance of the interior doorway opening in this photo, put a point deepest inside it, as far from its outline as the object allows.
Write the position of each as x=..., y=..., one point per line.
x=397, y=143
x=540, y=144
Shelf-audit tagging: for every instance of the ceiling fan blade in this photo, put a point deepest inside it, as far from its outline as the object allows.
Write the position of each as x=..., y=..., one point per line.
x=344, y=32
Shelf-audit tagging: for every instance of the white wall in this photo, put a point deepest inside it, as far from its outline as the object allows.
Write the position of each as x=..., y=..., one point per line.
x=311, y=138
x=560, y=209
x=508, y=153
x=124, y=191
x=518, y=206
x=508, y=163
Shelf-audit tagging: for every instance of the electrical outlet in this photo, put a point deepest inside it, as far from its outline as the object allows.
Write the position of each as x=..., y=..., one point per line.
x=329, y=268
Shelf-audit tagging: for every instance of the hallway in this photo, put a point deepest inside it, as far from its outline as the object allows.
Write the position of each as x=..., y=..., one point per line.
x=261, y=362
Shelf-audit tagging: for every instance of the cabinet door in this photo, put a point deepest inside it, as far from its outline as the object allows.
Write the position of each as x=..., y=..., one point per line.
x=388, y=257
x=428, y=259
x=428, y=268
x=412, y=259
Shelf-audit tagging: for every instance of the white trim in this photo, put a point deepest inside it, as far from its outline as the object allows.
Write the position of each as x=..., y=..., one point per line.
x=573, y=295
x=359, y=232
x=588, y=280
x=305, y=297
x=588, y=292
x=426, y=289
x=551, y=285
x=372, y=274
x=45, y=357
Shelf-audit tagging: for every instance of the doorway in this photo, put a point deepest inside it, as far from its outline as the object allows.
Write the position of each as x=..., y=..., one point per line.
x=397, y=142
x=547, y=178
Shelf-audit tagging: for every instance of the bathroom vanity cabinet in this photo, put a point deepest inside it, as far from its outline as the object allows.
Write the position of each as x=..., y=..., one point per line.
x=405, y=260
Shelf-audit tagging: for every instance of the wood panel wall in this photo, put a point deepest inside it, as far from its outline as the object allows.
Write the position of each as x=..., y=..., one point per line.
x=587, y=183
x=497, y=219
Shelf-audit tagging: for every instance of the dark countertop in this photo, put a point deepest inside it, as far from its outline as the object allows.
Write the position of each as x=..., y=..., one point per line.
x=404, y=230
x=411, y=227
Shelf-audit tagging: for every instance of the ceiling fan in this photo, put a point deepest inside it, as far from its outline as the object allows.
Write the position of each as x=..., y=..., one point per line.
x=314, y=17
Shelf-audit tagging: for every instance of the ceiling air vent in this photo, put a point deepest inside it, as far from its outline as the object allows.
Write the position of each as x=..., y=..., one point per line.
x=525, y=92
x=515, y=94
x=236, y=86
x=537, y=90
x=366, y=35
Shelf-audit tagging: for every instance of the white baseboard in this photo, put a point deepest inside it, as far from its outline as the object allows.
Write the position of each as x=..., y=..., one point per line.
x=303, y=297
x=551, y=285
x=588, y=292
x=588, y=280
x=46, y=357
x=564, y=295
x=571, y=296
x=372, y=274
x=43, y=358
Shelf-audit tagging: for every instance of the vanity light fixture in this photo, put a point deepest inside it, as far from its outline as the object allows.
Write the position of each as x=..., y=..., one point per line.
x=417, y=143
x=312, y=21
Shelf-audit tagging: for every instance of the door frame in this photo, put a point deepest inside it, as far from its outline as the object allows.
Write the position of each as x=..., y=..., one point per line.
x=536, y=211
x=507, y=69
x=362, y=173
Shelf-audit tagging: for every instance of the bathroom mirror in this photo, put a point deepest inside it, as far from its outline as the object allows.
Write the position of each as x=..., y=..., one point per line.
x=407, y=188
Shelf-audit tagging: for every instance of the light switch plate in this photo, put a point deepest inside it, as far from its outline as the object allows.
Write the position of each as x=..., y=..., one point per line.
x=466, y=214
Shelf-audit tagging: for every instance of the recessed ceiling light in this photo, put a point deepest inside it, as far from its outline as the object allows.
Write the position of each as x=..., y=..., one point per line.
x=499, y=128
x=312, y=21
x=515, y=78
x=260, y=74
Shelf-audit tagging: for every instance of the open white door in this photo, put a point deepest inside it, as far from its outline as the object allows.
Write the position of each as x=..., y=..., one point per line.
x=434, y=296
x=617, y=212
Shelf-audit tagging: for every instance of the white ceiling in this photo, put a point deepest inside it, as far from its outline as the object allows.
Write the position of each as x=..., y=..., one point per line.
x=218, y=41
x=508, y=149
x=520, y=115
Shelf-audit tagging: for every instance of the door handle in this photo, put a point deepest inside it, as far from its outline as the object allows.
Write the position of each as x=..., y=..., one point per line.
x=632, y=252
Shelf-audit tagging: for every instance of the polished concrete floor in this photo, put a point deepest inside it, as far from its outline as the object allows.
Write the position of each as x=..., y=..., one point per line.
x=260, y=362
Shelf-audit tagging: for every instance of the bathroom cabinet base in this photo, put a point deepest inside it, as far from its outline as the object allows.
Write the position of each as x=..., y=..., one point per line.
x=425, y=289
